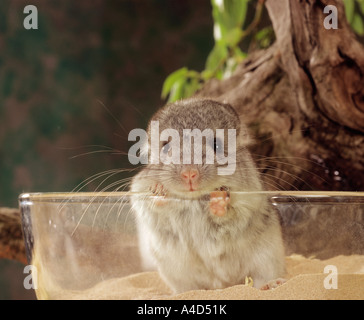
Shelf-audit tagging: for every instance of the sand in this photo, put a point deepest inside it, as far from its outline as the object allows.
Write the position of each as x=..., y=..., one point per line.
x=305, y=280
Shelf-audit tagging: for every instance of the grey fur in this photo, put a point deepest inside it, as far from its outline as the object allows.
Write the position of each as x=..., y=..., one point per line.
x=192, y=248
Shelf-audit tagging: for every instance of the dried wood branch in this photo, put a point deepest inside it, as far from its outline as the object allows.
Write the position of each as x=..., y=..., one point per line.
x=11, y=237
x=303, y=99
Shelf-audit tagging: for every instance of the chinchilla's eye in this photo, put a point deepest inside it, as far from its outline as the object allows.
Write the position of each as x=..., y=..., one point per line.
x=217, y=145
x=166, y=147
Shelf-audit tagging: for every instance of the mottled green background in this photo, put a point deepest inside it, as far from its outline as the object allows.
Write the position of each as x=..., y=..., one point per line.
x=54, y=80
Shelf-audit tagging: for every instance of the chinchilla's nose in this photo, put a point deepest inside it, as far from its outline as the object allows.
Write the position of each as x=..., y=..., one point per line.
x=189, y=175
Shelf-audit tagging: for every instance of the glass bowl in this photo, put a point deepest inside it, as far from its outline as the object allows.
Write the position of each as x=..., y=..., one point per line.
x=77, y=241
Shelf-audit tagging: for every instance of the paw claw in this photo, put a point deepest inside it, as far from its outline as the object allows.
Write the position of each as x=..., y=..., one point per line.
x=159, y=191
x=219, y=201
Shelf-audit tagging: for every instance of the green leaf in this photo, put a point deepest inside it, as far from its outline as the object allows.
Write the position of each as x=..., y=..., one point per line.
x=218, y=12
x=220, y=25
x=261, y=34
x=207, y=74
x=349, y=9
x=361, y=5
x=219, y=74
x=172, y=79
x=236, y=10
x=191, y=87
x=228, y=15
x=177, y=89
x=358, y=24
x=232, y=37
x=264, y=37
x=239, y=55
x=216, y=57
x=231, y=65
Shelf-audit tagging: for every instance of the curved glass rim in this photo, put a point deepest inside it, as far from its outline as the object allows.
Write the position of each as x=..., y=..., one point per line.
x=280, y=196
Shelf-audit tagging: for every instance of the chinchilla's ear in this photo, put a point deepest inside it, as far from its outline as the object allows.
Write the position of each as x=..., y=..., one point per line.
x=244, y=137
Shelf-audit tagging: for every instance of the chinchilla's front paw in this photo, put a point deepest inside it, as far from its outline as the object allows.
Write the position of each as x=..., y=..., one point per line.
x=219, y=201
